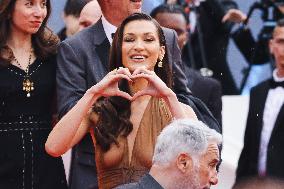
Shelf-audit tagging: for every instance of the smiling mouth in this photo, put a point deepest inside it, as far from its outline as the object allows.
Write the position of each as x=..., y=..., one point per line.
x=136, y=1
x=36, y=22
x=138, y=58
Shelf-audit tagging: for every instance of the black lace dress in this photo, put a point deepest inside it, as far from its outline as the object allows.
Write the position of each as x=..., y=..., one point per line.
x=25, y=123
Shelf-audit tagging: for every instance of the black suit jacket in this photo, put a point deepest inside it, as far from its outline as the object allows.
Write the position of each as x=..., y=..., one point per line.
x=255, y=52
x=215, y=36
x=248, y=161
x=208, y=90
x=146, y=182
x=82, y=62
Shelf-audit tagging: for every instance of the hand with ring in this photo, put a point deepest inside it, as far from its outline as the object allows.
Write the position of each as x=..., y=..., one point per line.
x=156, y=87
x=108, y=86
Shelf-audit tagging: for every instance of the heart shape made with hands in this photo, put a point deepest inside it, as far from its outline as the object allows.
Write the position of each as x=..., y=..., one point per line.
x=153, y=87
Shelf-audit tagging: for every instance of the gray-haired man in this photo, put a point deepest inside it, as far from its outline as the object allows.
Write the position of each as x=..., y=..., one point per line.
x=185, y=157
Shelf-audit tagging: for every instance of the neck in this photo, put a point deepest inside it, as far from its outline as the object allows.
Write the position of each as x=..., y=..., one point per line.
x=19, y=40
x=280, y=73
x=113, y=17
x=114, y=20
x=137, y=85
x=162, y=175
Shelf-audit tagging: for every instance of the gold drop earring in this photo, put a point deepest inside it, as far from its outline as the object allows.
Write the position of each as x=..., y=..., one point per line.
x=160, y=62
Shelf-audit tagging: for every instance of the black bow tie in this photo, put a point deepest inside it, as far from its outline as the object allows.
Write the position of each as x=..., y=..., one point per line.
x=274, y=84
x=112, y=35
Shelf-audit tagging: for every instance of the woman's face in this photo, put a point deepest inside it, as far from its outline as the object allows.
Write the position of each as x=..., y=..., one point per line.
x=140, y=45
x=28, y=15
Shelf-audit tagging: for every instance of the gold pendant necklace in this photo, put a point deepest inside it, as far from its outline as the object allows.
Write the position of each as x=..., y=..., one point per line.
x=28, y=84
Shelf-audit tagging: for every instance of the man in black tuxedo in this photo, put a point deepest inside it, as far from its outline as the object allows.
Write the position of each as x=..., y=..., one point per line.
x=83, y=61
x=209, y=39
x=262, y=155
x=207, y=89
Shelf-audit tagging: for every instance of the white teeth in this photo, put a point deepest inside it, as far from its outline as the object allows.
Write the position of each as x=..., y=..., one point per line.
x=137, y=57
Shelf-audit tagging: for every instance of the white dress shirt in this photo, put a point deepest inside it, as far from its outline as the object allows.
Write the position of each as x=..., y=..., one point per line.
x=273, y=104
x=193, y=16
x=108, y=28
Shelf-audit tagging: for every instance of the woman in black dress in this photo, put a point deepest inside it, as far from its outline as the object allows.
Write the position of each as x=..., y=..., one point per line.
x=27, y=89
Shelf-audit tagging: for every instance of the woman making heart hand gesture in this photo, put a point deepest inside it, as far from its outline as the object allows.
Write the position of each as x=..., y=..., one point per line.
x=127, y=109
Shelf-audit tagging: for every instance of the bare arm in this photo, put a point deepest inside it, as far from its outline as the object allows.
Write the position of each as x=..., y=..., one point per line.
x=75, y=124
x=156, y=87
x=71, y=128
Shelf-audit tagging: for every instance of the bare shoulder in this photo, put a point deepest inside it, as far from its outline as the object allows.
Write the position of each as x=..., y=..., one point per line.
x=189, y=111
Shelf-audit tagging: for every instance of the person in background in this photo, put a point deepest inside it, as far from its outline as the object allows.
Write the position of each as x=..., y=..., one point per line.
x=186, y=156
x=262, y=155
x=138, y=103
x=27, y=92
x=255, y=51
x=207, y=89
x=90, y=14
x=208, y=41
x=70, y=16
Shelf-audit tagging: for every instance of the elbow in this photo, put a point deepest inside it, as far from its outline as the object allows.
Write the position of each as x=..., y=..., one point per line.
x=52, y=150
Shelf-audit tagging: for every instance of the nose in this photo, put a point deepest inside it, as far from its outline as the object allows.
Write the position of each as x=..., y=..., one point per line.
x=38, y=11
x=138, y=46
x=214, y=179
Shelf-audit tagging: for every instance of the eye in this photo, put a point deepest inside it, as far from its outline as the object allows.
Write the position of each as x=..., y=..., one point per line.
x=213, y=165
x=280, y=41
x=149, y=39
x=29, y=3
x=43, y=4
x=128, y=39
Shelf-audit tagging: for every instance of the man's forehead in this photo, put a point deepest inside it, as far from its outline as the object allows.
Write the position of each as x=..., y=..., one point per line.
x=278, y=32
x=213, y=151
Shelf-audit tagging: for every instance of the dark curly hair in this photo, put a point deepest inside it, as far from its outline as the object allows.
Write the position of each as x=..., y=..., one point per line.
x=114, y=112
x=44, y=41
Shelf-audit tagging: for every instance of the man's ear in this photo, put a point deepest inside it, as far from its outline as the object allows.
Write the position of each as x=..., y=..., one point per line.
x=184, y=162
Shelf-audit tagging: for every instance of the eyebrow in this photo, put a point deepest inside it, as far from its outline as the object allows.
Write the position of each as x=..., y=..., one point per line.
x=215, y=160
x=279, y=39
x=148, y=33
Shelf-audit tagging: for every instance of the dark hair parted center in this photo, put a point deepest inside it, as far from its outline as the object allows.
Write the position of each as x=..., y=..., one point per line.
x=44, y=41
x=114, y=112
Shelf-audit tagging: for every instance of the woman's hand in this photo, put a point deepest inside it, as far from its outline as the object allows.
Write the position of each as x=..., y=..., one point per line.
x=156, y=87
x=108, y=86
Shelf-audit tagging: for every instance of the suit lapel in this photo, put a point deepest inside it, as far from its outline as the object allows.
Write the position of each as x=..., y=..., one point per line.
x=103, y=52
x=261, y=99
x=280, y=117
x=279, y=121
x=101, y=43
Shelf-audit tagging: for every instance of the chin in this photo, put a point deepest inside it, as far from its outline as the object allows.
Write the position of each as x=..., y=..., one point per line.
x=33, y=31
x=136, y=66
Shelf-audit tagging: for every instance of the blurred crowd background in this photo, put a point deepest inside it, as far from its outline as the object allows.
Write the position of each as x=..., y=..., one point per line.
x=235, y=59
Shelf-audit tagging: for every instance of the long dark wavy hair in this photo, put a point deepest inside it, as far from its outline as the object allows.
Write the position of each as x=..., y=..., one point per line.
x=44, y=41
x=114, y=112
